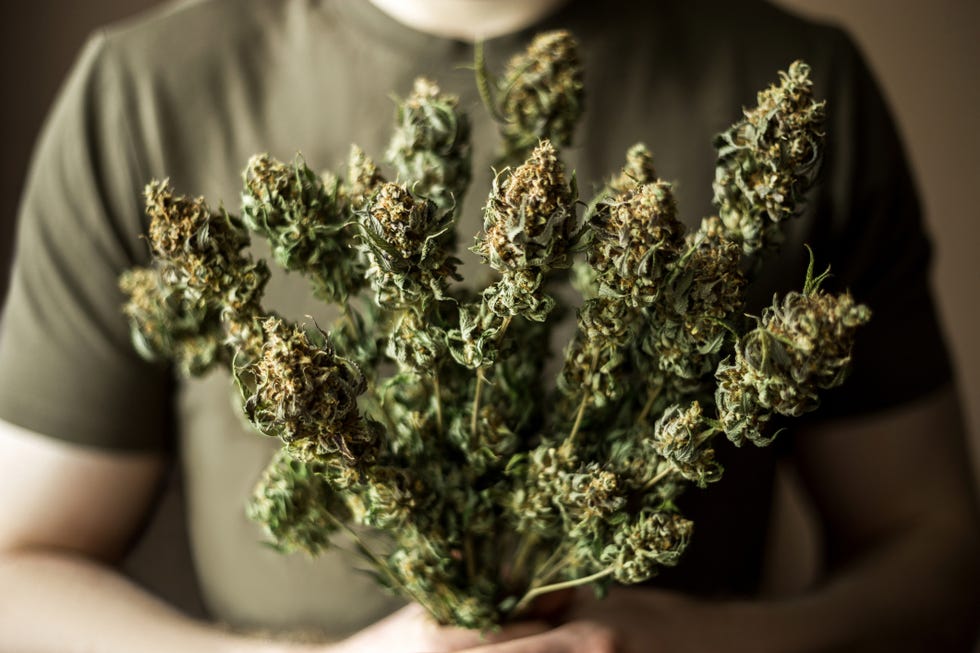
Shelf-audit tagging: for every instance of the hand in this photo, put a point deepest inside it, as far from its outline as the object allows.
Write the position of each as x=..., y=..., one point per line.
x=411, y=630
x=643, y=620
x=628, y=620
x=574, y=637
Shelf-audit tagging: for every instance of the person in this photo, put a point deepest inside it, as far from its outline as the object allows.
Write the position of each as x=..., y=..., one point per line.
x=189, y=92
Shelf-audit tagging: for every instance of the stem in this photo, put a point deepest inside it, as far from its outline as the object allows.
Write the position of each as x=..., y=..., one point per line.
x=649, y=405
x=476, y=401
x=523, y=551
x=580, y=413
x=706, y=435
x=349, y=320
x=568, y=584
x=659, y=477
x=381, y=564
x=551, y=566
x=438, y=394
x=578, y=420
x=481, y=378
x=375, y=558
x=681, y=261
x=484, y=80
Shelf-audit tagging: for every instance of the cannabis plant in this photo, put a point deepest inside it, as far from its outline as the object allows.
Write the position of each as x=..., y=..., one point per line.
x=423, y=412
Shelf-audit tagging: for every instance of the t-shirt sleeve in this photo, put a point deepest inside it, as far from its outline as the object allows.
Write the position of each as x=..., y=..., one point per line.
x=870, y=222
x=67, y=368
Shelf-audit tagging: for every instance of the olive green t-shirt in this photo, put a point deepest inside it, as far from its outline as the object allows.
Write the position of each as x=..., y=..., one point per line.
x=189, y=92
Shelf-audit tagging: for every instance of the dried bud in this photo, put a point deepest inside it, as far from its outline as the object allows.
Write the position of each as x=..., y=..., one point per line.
x=596, y=362
x=740, y=413
x=607, y=322
x=416, y=344
x=185, y=229
x=800, y=345
x=519, y=293
x=651, y=540
x=296, y=506
x=686, y=334
x=530, y=215
x=636, y=236
x=593, y=499
x=203, y=293
x=304, y=222
x=532, y=502
x=389, y=497
x=806, y=339
x=474, y=343
x=164, y=326
x=541, y=94
x=306, y=395
x=769, y=159
x=530, y=228
x=407, y=241
x=430, y=148
x=363, y=178
x=638, y=171
x=492, y=441
x=680, y=437
x=197, y=251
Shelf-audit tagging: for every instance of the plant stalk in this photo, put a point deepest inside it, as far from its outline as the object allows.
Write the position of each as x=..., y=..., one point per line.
x=437, y=391
x=568, y=584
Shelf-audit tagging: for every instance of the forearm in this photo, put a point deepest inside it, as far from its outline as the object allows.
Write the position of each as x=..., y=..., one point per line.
x=918, y=592
x=895, y=498
x=53, y=601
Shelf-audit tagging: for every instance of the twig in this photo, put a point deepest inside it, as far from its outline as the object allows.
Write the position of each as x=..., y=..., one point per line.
x=476, y=401
x=438, y=394
x=545, y=589
x=580, y=413
x=648, y=405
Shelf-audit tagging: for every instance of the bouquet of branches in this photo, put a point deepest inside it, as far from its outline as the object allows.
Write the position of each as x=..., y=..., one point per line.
x=423, y=412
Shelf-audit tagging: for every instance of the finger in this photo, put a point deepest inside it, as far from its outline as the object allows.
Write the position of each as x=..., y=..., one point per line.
x=541, y=643
x=447, y=638
x=411, y=630
x=579, y=637
x=517, y=630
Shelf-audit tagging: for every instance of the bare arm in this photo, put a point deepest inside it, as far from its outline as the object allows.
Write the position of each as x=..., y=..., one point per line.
x=897, y=504
x=68, y=513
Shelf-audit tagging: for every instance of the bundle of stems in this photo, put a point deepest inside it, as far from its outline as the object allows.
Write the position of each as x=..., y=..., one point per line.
x=423, y=412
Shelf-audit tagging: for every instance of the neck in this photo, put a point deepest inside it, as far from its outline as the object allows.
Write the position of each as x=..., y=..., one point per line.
x=469, y=20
